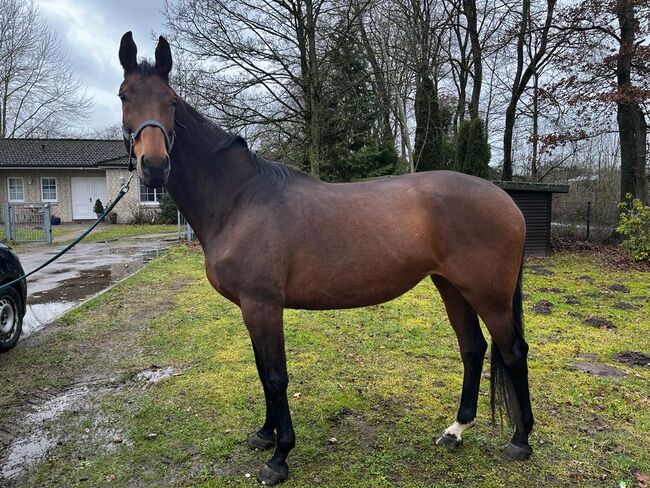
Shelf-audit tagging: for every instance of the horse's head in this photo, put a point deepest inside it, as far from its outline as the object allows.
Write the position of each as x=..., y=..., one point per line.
x=148, y=105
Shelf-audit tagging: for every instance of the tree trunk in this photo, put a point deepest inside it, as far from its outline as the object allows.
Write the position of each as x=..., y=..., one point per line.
x=533, y=162
x=632, y=126
x=511, y=112
x=314, y=102
x=470, y=12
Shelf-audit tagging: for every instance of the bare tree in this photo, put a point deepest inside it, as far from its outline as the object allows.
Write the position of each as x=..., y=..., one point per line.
x=39, y=95
x=263, y=61
x=532, y=38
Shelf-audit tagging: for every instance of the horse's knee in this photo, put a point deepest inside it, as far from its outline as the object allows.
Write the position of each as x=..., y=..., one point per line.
x=276, y=384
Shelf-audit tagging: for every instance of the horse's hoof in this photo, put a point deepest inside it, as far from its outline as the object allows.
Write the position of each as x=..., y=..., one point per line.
x=257, y=441
x=518, y=453
x=449, y=440
x=272, y=475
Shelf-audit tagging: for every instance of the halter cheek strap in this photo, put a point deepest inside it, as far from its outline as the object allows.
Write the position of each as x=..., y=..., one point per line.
x=130, y=137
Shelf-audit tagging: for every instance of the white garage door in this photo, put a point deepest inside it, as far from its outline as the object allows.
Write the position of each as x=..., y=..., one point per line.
x=85, y=190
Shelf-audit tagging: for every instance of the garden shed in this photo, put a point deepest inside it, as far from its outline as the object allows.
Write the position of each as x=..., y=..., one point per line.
x=535, y=201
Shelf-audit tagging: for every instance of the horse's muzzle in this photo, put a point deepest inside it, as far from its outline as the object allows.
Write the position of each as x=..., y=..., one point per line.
x=154, y=173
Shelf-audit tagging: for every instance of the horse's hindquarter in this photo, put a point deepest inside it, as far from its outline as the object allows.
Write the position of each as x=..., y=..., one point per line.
x=365, y=243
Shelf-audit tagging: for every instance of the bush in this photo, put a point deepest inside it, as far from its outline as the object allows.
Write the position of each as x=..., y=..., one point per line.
x=634, y=226
x=168, y=212
x=98, y=208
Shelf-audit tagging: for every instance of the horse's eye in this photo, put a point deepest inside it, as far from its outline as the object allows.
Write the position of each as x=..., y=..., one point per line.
x=174, y=102
x=123, y=97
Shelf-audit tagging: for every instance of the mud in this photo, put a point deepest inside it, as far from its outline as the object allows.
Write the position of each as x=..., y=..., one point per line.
x=571, y=300
x=31, y=448
x=550, y=290
x=597, y=369
x=624, y=306
x=543, y=307
x=155, y=373
x=618, y=287
x=599, y=322
x=633, y=358
x=42, y=428
x=538, y=269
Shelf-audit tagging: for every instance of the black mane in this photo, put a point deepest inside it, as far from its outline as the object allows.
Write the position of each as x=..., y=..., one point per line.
x=222, y=140
x=146, y=68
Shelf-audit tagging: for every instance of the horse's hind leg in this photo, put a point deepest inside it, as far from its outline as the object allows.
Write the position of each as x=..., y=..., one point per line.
x=472, y=350
x=509, y=365
x=264, y=324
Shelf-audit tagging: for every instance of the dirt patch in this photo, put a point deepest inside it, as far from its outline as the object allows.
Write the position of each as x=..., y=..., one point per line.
x=624, y=306
x=550, y=290
x=599, y=322
x=618, y=287
x=577, y=315
x=543, y=307
x=155, y=373
x=633, y=358
x=610, y=253
x=597, y=369
x=585, y=278
x=539, y=270
x=571, y=300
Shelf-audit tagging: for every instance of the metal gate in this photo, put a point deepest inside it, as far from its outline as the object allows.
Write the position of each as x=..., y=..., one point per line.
x=184, y=229
x=26, y=222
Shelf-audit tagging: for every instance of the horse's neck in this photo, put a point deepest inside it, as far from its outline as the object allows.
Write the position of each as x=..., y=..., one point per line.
x=205, y=177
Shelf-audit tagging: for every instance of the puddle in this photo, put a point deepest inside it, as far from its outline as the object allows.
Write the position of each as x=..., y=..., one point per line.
x=30, y=450
x=89, y=270
x=26, y=453
x=156, y=373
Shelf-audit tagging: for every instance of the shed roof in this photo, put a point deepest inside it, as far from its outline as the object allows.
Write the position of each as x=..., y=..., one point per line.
x=62, y=153
x=530, y=186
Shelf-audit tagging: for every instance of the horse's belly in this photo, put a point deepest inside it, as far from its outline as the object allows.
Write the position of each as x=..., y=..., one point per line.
x=350, y=290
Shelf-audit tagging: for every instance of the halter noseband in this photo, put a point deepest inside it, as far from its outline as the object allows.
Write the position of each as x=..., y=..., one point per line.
x=130, y=137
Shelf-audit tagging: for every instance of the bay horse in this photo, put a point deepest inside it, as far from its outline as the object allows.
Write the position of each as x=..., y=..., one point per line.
x=276, y=238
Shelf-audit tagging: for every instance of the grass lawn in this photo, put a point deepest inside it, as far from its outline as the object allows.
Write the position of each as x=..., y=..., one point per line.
x=119, y=231
x=383, y=380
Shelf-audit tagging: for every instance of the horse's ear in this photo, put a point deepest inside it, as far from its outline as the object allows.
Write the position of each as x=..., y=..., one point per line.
x=163, y=58
x=128, y=53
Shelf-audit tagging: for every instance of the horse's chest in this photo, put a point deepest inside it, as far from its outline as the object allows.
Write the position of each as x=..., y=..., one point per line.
x=223, y=280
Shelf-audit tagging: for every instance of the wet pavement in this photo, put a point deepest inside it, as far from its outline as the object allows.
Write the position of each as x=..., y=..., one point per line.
x=81, y=273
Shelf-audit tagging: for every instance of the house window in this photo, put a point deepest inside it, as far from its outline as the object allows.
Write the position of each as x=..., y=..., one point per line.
x=16, y=189
x=48, y=190
x=150, y=196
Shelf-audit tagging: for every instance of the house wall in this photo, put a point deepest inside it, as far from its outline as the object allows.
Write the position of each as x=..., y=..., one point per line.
x=129, y=207
x=32, y=179
x=128, y=210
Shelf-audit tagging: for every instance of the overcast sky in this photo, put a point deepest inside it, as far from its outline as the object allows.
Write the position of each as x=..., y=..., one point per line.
x=90, y=31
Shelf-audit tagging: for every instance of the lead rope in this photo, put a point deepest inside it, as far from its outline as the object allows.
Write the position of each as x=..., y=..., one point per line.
x=123, y=191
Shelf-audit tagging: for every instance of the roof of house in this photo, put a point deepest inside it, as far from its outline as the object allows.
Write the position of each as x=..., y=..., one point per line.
x=62, y=153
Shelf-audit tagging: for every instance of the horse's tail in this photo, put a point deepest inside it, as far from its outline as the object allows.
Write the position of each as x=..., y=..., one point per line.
x=502, y=390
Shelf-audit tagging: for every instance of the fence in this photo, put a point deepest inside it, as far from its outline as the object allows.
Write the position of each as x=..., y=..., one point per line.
x=585, y=219
x=184, y=229
x=26, y=222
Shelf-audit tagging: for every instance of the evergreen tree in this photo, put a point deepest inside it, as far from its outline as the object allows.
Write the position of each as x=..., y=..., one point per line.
x=351, y=142
x=472, y=149
x=428, y=153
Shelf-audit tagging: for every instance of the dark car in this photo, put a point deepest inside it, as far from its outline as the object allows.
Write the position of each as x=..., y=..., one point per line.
x=13, y=299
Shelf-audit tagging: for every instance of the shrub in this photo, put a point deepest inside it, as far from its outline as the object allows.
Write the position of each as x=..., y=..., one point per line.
x=634, y=226
x=98, y=208
x=168, y=212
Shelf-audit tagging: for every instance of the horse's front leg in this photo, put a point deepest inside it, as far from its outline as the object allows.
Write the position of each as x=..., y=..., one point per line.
x=264, y=323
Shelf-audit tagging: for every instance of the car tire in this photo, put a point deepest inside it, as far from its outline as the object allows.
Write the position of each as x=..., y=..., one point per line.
x=11, y=318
